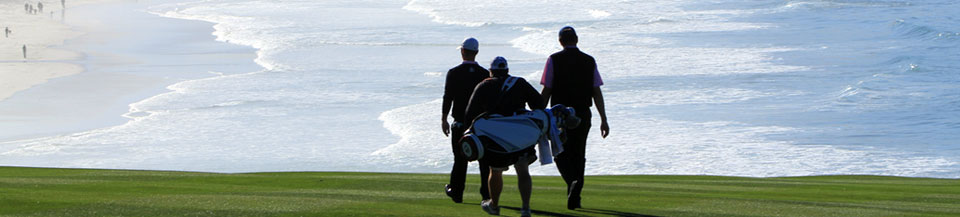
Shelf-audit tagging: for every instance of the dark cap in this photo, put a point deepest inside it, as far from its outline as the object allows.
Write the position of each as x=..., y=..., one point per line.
x=567, y=32
x=499, y=63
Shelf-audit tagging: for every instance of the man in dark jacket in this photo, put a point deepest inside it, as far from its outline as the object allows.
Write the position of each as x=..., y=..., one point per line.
x=493, y=97
x=459, y=85
x=571, y=78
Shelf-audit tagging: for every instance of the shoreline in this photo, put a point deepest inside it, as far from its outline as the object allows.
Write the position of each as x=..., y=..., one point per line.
x=115, y=63
x=321, y=113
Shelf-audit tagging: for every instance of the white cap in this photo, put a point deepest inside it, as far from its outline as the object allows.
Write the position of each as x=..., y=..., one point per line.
x=498, y=63
x=470, y=44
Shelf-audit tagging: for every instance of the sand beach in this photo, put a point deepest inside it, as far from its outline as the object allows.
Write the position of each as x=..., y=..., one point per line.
x=83, y=67
x=40, y=33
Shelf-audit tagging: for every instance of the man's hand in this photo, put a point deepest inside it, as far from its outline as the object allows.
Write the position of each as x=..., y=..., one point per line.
x=598, y=101
x=604, y=129
x=446, y=128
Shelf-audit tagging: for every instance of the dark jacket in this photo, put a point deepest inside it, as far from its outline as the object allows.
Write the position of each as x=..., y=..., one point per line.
x=461, y=81
x=487, y=98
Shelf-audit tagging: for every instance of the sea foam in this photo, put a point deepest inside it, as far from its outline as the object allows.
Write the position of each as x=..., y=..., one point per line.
x=716, y=88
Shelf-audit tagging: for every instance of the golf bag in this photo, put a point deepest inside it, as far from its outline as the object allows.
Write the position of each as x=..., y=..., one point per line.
x=509, y=134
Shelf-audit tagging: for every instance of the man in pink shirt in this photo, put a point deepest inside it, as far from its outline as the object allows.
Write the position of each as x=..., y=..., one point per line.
x=571, y=78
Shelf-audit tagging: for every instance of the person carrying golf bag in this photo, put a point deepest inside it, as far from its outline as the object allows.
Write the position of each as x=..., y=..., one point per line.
x=504, y=133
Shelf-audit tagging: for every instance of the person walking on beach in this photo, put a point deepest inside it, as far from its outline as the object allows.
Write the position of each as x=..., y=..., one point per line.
x=6, y=31
x=63, y=11
x=40, y=6
x=459, y=85
x=24, y=51
x=492, y=96
x=570, y=77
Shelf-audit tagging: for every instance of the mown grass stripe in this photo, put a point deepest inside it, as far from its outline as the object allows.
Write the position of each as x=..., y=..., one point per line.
x=86, y=192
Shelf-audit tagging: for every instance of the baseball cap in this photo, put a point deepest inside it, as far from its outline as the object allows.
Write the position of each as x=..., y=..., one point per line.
x=498, y=63
x=568, y=32
x=470, y=44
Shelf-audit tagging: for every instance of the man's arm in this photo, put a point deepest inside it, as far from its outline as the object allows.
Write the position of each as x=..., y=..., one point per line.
x=547, y=80
x=475, y=105
x=447, y=103
x=546, y=94
x=534, y=99
x=598, y=101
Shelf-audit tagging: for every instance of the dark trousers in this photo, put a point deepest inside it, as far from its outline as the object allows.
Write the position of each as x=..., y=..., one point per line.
x=458, y=175
x=571, y=161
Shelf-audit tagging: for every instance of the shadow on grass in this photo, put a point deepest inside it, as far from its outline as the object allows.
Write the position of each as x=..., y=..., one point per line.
x=540, y=212
x=591, y=212
x=613, y=212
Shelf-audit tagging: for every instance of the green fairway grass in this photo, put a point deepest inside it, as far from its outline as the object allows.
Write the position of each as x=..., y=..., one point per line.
x=86, y=192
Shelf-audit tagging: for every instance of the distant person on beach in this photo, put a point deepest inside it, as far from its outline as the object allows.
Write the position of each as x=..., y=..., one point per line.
x=40, y=6
x=63, y=12
x=571, y=78
x=456, y=93
x=493, y=97
x=24, y=51
x=6, y=31
x=26, y=8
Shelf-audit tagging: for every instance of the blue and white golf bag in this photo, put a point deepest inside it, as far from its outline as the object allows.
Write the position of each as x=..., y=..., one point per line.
x=509, y=134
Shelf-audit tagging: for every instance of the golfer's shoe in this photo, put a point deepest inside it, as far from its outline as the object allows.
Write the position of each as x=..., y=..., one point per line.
x=525, y=212
x=573, y=201
x=456, y=196
x=489, y=209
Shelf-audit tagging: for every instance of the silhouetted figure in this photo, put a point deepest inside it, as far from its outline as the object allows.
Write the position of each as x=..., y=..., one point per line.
x=63, y=12
x=461, y=81
x=6, y=30
x=24, y=51
x=26, y=8
x=40, y=6
x=571, y=78
x=503, y=94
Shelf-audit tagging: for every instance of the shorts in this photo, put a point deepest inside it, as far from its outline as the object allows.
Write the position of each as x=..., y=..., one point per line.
x=501, y=162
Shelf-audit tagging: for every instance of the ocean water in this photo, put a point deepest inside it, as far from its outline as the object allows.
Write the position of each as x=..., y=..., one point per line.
x=758, y=88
